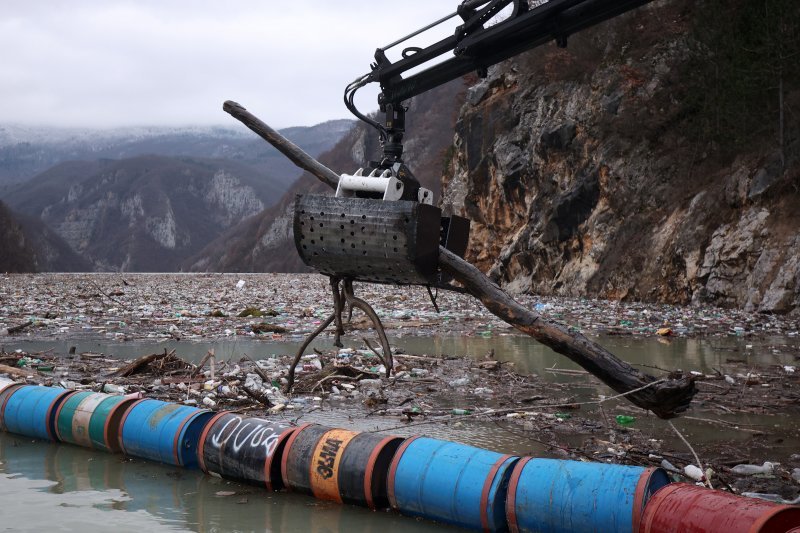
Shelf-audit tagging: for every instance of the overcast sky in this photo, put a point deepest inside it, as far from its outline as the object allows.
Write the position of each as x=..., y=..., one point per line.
x=108, y=63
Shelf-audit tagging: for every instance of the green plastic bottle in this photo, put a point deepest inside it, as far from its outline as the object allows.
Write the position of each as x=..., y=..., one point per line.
x=625, y=420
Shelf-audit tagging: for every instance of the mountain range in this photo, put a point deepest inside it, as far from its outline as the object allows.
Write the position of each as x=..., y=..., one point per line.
x=142, y=199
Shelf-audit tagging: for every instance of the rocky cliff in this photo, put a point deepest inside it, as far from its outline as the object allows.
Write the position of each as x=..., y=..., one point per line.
x=16, y=254
x=595, y=170
x=28, y=245
x=145, y=213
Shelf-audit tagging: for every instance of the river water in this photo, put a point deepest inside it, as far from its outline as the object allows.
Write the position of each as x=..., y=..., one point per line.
x=59, y=487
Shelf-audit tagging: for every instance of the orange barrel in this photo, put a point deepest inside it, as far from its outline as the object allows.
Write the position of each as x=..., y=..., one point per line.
x=684, y=508
x=243, y=449
x=7, y=388
x=339, y=465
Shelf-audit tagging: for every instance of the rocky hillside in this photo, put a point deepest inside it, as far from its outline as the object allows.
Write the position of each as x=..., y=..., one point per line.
x=17, y=254
x=146, y=213
x=28, y=245
x=264, y=243
x=656, y=158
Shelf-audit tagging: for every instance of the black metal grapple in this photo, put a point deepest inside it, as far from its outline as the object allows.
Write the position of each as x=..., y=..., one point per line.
x=374, y=240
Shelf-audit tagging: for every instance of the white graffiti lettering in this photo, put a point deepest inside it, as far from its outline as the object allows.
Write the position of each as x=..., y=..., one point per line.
x=262, y=434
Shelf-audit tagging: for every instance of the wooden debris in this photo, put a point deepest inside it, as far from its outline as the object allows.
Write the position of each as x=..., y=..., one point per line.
x=16, y=372
x=139, y=364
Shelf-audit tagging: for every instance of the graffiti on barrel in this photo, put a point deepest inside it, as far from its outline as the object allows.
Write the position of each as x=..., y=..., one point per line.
x=263, y=433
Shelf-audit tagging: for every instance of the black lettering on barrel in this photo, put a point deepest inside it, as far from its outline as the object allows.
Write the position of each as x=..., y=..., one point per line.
x=327, y=457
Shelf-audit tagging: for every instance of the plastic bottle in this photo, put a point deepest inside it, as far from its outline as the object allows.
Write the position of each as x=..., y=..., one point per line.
x=461, y=412
x=625, y=420
x=749, y=470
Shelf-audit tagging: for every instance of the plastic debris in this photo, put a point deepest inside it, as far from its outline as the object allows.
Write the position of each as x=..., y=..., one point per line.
x=693, y=472
x=749, y=470
x=625, y=420
x=772, y=498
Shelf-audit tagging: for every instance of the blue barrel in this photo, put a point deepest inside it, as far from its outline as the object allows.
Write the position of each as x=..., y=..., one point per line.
x=30, y=410
x=556, y=496
x=164, y=432
x=450, y=482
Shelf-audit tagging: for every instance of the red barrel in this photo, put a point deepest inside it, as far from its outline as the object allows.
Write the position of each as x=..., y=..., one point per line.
x=339, y=465
x=243, y=449
x=684, y=508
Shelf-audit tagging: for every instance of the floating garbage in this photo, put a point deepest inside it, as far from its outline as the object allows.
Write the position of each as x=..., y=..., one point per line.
x=749, y=470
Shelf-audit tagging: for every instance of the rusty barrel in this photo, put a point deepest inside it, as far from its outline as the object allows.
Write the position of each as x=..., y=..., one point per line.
x=30, y=410
x=164, y=432
x=7, y=388
x=685, y=508
x=244, y=449
x=559, y=495
x=450, y=482
x=339, y=465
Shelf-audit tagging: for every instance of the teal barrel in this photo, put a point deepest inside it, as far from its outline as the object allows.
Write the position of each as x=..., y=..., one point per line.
x=164, y=432
x=556, y=496
x=72, y=422
x=91, y=419
x=105, y=424
x=30, y=410
x=450, y=482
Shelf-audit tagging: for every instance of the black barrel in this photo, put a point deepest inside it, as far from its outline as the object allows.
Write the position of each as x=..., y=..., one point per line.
x=244, y=449
x=364, y=468
x=296, y=460
x=340, y=465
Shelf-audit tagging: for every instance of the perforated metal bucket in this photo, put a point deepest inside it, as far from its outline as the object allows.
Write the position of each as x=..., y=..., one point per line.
x=368, y=240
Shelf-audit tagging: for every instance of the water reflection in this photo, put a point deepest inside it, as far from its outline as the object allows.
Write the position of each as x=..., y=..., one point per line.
x=64, y=487
x=701, y=354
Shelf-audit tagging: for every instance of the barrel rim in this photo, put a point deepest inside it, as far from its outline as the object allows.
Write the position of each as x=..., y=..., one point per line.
x=11, y=389
x=761, y=522
x=56, y=404
x=201, y=445
x=126, y=404
x=398, y=455
x=58, y=436
x=639, y=500
x=177, y=449
x=370, y=467
x=283, y=438
x=285, y=456
x=122, y=424
x=487, y=488
x=511, y=494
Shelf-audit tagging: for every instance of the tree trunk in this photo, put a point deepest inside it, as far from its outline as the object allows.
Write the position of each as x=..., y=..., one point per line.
x=664, y=397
